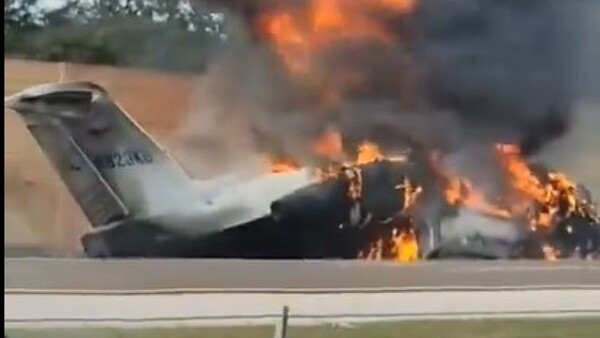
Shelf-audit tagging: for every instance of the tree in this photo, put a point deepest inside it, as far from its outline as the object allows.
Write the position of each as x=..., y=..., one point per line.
x=19, y=16
x=163, y=34
x=20, y=19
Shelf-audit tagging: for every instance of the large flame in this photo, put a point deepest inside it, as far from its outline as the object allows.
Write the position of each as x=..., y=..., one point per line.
x=301, y=32
x=535, y=199
x=400, y=246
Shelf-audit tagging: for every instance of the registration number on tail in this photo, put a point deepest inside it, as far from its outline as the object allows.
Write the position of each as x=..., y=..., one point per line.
x=122, y=159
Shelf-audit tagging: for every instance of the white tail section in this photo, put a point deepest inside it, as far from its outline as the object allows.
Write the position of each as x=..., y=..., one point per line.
x=113, y=168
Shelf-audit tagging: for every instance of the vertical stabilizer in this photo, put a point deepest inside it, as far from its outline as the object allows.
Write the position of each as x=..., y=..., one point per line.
x=113, y=168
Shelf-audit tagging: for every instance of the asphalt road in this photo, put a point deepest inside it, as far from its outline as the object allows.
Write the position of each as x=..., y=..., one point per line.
x=132, y=275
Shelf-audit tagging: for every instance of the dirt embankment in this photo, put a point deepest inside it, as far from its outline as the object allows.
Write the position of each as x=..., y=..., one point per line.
x=39, y=209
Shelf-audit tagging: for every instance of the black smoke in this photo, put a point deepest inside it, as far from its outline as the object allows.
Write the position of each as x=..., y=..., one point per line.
x=459, y=73
x=499, y=66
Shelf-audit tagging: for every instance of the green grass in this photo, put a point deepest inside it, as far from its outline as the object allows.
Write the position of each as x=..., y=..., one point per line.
x=543, y=328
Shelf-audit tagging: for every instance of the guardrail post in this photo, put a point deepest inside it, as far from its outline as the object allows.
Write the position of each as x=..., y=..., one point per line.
x=281, y=326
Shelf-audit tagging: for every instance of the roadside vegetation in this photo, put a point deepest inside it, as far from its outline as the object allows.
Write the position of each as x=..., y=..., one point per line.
x=167, y=35
x=542, y=328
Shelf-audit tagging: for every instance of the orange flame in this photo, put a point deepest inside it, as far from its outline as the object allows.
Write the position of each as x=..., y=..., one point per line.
x=282, y=165
x=403, y=6
x=405, y=247
x=549, y=194
x=368, y=152
x=401, y=246
x=375, y=252
x=300, y=33
x=530, y=199
x=521, y=177
x=461, y=191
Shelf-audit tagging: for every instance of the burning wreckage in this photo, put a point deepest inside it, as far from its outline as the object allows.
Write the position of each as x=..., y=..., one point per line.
x=402, y=208
x=451, y=120
x=454, y=99
x=406, y=206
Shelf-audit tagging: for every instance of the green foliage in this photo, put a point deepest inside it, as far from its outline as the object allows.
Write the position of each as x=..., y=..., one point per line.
x=19, y=16
x=488, y=328
x=167, y=35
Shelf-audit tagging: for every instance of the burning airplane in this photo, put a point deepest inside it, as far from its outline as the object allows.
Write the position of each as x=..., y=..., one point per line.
x=394, y=129
x=447, y=102
x=372, y=206
x=406, y=215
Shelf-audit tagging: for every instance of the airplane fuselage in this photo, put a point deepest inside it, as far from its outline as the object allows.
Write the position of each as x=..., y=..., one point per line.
x=222, y=203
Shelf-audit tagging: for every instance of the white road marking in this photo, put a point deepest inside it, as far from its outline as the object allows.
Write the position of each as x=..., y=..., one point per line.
x=241, y=309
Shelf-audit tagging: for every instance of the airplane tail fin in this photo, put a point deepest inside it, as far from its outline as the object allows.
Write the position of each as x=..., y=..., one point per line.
x=111, y=166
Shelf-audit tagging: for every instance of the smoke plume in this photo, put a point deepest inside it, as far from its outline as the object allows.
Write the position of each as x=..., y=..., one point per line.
x=446, y=74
